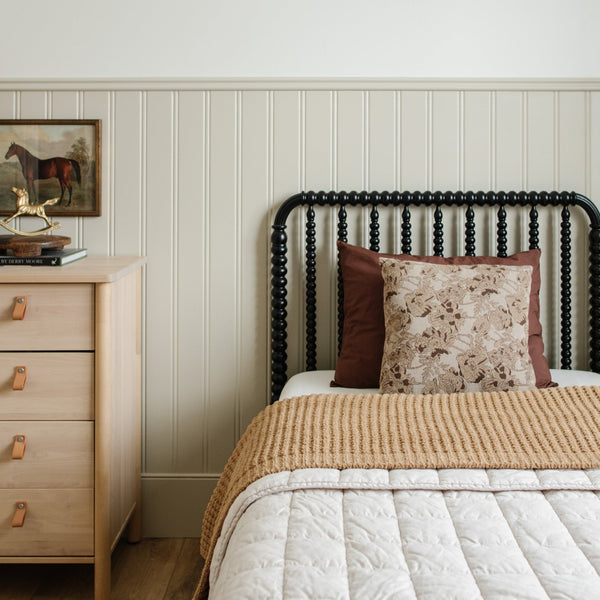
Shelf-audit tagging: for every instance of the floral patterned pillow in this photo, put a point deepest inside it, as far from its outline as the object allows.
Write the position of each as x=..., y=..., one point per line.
x=455, y=328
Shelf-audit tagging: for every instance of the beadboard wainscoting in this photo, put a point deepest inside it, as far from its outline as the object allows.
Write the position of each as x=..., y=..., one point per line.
x=192, y=171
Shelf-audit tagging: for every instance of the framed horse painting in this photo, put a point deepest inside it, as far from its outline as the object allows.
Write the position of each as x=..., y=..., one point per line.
x=51, y=158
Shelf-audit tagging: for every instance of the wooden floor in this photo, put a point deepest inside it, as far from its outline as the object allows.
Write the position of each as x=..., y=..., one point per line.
x=154, y=569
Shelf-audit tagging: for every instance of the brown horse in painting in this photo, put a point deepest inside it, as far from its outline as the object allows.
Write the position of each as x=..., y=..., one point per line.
x=38, y=168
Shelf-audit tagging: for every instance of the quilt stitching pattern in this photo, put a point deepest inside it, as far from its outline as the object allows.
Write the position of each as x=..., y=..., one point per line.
x=587, y=474
x=285, y=548
x=343, y=511
x=401, y=543
x=460, y=543
x=549, y=496
x=397, y=557
x=510, y=526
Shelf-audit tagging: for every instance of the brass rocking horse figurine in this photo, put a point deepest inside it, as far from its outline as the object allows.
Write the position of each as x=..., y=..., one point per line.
x=35, y=210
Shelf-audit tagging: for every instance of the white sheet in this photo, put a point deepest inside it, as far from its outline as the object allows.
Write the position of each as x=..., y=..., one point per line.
x=317, y=382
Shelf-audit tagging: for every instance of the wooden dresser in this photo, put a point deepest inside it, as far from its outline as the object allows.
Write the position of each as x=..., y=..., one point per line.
x=70, y=406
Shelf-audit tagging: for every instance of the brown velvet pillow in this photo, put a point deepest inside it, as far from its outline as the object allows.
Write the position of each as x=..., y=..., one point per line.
x=359, y=362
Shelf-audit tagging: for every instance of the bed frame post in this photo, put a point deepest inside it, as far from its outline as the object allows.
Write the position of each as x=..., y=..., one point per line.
x=595, y=297
x=565, y=288
x=594, y=250
x=278, y=310
x=311, y=290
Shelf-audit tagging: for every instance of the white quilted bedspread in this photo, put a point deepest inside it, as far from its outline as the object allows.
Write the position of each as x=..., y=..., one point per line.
x=449, y=534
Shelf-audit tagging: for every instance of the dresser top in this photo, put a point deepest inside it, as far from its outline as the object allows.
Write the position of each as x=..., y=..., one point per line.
x=92, y=269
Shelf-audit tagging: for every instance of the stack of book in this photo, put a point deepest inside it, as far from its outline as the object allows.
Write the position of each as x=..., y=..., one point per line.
x=50, y=258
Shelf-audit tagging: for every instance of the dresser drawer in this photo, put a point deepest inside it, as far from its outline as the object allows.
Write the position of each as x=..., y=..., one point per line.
x=58, y=386
x=57, y=316
x=58, y=454
x=57, y=523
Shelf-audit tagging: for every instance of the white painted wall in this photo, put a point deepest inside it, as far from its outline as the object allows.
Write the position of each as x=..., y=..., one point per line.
x=308, y=38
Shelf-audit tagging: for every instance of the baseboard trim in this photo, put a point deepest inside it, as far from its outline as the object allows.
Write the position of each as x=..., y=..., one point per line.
x=173, y=505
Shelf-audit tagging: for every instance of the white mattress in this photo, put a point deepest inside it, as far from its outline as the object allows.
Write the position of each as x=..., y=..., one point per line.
x=420, y=534
x=318, y=382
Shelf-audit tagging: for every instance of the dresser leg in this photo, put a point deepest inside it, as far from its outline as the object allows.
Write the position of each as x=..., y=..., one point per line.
x=102, y=578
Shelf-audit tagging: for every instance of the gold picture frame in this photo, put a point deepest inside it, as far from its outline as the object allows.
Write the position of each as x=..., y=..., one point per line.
x=52, y=158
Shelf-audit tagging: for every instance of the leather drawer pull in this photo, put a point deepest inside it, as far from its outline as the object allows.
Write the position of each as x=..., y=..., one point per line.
x=20, y=378
x=20, y=308
x=18, y=451
x=19, y=516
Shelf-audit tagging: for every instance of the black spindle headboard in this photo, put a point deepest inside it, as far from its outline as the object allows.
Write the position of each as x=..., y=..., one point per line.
x=344, y=201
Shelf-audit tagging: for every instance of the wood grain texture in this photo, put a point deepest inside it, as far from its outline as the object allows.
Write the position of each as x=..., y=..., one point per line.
x=117, y=439
x=59, y=386
x=58, y=317
x=58, y=454
x=58, y=522
x=92, y=269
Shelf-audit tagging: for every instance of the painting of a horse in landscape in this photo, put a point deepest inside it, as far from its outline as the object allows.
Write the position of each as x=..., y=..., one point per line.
x=52, y=158
x=35, y=168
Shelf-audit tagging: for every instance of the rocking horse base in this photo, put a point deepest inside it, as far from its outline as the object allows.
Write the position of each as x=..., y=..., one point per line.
x=20, y=245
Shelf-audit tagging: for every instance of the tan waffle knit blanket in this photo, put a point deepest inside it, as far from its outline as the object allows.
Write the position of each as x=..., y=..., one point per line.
x=555, y=428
